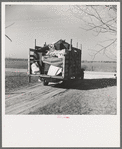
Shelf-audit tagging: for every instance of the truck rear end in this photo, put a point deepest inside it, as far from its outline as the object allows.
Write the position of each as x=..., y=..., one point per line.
x=53, y=68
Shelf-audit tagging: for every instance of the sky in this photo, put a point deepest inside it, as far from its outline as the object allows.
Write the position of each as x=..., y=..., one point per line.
x=46, y=23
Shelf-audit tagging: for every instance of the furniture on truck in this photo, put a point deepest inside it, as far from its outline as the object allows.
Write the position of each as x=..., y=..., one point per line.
x=71, y=65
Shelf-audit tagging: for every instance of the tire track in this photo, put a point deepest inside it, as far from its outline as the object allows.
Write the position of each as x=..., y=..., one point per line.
x=30, y=99
x=27, y=96
x=21, y=90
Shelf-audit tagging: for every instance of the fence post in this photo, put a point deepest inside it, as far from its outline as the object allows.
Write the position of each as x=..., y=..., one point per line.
x=81, y=51
x=77, y=45
x=70, y=45
x=44, y=44
x=35, y=43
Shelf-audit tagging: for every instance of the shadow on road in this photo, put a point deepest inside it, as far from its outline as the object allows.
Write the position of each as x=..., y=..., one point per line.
x=87, y=84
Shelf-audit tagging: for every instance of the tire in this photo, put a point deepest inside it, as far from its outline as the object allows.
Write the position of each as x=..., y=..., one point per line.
x=82, y=77
x=65, y=82
x=82, y=74
x=45, y=82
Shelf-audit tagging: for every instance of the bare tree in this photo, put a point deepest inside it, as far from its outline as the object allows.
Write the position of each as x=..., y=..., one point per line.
x=101, y=19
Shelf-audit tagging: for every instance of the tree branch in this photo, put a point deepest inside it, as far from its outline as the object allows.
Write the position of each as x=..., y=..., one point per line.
x=103, y=48
x=9, y=25
x=98, y=23
x=8, y=38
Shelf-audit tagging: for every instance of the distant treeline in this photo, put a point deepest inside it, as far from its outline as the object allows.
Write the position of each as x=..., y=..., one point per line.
x=83, y=61
x=17, y=59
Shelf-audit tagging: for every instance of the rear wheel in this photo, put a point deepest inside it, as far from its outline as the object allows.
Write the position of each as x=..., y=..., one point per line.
x=82, y=74
x=45, y=82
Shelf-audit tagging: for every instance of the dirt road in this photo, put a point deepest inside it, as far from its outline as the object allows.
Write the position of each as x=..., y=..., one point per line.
x=24, y=100
x=88, y=96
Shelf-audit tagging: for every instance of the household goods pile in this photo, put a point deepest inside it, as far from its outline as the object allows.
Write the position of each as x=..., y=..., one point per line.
x=50, y=60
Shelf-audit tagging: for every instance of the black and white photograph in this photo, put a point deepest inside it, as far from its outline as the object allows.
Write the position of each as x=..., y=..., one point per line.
x=61, y=65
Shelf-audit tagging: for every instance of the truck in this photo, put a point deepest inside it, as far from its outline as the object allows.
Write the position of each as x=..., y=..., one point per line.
x=70, y=63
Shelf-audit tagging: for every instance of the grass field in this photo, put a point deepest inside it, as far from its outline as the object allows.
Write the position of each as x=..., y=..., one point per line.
x=16, y=80
x=16, y=63
x=99, y=66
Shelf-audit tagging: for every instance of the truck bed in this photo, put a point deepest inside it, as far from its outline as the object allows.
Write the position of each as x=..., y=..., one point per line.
x=48, y=76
